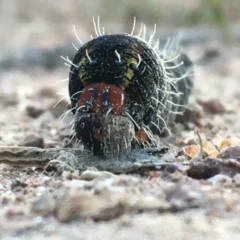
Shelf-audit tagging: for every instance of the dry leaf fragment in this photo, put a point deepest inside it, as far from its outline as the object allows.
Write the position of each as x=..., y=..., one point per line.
x=210, y=149
x=191, y=151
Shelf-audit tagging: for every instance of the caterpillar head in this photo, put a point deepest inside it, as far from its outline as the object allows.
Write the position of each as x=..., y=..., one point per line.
x=112, y=77
x=120, y=89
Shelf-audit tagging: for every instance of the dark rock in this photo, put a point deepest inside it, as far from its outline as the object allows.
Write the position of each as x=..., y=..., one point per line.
x=212, y=106
x=47, y=92
x=60, y=108
x=185, y=193
x=213, y=166
x=34, y=112
x=191, y=114
x=231, y=152
x=43, y=205
x=17, y=185
x=33, y=141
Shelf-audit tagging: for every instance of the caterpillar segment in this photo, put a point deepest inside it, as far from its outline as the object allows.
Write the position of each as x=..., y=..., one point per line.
x=123, y=91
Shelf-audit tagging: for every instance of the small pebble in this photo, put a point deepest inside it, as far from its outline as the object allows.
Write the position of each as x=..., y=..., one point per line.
x=236, y=180
x=33, y=141
x=34, y=112
x=212, y=106
x=221, y=180
x=89, y=175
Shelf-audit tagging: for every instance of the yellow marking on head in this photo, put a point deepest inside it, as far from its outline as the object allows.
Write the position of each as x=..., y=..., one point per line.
x=84, y=61
x=129, y=74
x=124, y=83
x=82, y=76
x=82, y=71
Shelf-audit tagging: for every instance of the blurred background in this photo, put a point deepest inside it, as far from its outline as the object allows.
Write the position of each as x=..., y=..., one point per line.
x=34, y=34
x=26, y=25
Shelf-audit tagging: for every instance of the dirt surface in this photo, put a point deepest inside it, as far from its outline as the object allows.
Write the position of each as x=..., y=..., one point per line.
x=189, y=189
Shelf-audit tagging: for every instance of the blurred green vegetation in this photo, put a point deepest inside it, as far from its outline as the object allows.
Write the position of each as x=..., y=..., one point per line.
x=35, y=19
x=185, y=11
x=215, y=13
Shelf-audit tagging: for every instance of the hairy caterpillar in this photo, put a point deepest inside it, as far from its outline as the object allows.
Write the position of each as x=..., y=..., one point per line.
x=123, y=89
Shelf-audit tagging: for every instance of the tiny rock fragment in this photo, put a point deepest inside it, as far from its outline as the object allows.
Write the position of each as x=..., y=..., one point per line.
x=15, y=211
x=76, y=184
x=210, y=54
x=34, y=112
x=155, y=174
x=231, y=152
x=212, y=106
x=175, y=173
x=89, y=175
x=185, y=194
x=17, y=185
x=9, y=101
x=213, y=166
x=221, y=180
x=191, y=114
x=49, y=92
x=204, y=169
x=72, y=205
x=236, y=180
x=32, y=140
x=43, y=205
x=57, y=109
x=229, y=167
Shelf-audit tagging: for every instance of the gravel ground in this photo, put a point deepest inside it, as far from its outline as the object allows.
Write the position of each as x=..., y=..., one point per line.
x=196, y=194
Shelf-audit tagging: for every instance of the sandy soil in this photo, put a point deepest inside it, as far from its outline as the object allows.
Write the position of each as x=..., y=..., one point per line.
x=196, y=194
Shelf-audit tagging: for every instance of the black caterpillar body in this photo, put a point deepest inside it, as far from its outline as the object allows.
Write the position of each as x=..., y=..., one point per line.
x=123, y=90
